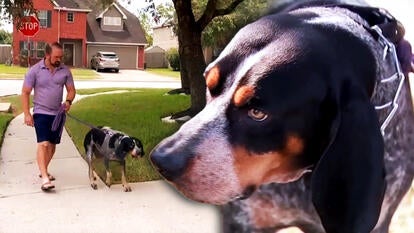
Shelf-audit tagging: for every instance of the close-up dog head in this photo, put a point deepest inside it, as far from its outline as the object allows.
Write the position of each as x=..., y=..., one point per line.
x=290, y=94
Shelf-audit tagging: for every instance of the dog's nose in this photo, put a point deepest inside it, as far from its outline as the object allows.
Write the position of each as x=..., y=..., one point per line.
x=170, y=165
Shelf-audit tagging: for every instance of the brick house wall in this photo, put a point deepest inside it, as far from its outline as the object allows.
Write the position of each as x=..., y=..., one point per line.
x=56, y=29
x=82, y=34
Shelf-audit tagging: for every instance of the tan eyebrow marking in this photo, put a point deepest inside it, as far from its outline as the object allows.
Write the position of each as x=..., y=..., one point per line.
x=213, y=78
x=243, y=95
x=294, y=145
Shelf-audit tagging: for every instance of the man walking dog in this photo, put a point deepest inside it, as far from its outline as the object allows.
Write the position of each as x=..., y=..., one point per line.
x=47, y=78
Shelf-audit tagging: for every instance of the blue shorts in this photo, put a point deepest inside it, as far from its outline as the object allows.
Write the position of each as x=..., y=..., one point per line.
x=43, y=126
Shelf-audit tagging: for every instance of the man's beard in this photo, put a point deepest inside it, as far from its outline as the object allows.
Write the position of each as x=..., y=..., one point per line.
x=56, y=64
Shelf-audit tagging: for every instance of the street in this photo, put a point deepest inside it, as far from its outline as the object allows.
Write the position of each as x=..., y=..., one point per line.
x=123, y=79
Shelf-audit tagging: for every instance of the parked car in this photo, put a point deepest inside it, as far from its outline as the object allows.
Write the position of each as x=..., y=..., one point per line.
x=105, y=61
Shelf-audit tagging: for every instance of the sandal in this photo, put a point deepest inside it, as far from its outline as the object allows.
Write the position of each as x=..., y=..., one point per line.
x=47, y=186
x=51, y=178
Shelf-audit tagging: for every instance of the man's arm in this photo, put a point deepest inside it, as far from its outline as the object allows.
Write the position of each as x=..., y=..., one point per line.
x=70, y=96
x=25, y=98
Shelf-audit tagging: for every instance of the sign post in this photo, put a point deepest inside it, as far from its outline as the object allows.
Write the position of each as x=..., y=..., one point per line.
x=30, y=26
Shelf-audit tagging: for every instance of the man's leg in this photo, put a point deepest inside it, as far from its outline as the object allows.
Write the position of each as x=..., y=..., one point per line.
x=45, y=151
x=51, y=152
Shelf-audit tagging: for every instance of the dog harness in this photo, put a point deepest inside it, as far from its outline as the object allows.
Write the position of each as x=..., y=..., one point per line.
x=389, y=32
x=105, y=149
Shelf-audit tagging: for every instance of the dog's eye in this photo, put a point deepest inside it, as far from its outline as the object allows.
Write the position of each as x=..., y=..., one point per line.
x=257, y=114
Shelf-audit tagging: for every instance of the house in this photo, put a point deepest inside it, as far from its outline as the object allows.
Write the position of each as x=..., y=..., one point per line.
x=83, y=28
x=164, y=37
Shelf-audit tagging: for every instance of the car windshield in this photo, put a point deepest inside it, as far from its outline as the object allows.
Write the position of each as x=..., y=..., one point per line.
x=109, y=55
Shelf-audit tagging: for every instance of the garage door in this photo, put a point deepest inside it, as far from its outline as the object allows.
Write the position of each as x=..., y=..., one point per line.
x=127, y=54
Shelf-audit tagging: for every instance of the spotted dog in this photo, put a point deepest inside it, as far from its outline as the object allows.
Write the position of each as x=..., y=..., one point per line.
x=111, y=145
x=308, y=123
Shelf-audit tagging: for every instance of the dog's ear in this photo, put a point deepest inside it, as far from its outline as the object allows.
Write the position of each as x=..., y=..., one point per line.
x=349, y=180
x=119, y=150
x=138, y=143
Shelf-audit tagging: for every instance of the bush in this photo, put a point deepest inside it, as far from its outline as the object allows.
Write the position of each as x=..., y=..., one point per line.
x=173, y=59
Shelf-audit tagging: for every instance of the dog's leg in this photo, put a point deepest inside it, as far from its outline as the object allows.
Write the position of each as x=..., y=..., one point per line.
x=125, y=184
x=108, y=172
x=92, y=178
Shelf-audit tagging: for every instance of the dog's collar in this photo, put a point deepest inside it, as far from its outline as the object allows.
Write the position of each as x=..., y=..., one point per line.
x=398, y=76
x=388, y=31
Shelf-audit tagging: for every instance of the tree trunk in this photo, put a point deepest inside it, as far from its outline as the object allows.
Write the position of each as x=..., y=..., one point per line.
x=185, y=80
x=191, y=57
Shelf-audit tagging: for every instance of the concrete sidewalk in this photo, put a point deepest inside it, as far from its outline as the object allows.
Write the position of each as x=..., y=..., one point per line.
x=75, y=207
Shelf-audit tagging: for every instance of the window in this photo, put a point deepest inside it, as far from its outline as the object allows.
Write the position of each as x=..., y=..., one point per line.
x=24, y=47
x=112, y=21
x=37, y=48
x=40, y=49
x=70, y=17
x=45, y=18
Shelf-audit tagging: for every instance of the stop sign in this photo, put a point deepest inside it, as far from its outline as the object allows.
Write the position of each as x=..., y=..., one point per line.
x=30, y=26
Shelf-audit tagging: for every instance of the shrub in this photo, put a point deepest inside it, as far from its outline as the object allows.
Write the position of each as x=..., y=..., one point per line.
x=173, y=59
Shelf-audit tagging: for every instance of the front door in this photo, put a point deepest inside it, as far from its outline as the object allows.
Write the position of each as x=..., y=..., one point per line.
x=68, y=54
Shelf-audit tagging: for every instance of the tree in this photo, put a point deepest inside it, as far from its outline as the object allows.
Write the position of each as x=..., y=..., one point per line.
x=189, y=33
x=16, y=9
x=5, y=37
x=193, y=19
x=190, y=28
x=145, y=21
x=222, y=28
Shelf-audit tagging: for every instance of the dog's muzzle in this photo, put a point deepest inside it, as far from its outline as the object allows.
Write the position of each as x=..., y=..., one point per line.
x=137, y=152
x=170, y=165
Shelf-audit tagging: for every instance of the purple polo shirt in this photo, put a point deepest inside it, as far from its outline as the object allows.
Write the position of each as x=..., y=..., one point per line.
x=48, y=87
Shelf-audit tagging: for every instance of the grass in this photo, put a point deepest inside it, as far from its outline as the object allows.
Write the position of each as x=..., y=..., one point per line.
x=100, y=90
x=137, y=113
x=79, y=74
x=5, y=118
x=164, y=72
x=18, y=72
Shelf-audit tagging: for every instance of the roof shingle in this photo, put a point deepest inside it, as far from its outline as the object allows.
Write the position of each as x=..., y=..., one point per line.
x=132, y=33
x=73, y=4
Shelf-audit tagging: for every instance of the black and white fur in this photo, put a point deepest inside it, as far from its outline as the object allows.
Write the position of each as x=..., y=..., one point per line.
x=111, y=145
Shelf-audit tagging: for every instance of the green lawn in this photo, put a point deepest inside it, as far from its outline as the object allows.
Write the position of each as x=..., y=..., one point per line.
x=5, y=118
x=18, y=72
x=136, y=113
x=164, y=72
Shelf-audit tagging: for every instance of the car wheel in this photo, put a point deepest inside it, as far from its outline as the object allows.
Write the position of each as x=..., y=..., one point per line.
x=116, y=70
